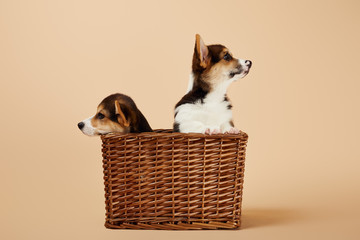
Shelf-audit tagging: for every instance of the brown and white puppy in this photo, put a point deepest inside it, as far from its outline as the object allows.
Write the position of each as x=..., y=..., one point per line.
x=206, y=108
x=116, y=113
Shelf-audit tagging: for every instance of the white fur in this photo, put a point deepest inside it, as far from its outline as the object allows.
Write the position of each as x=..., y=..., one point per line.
x=213, y=115
x=246, y=68
x=242, y=62
x=88, y=129
x=199, y=117
x=191, y=82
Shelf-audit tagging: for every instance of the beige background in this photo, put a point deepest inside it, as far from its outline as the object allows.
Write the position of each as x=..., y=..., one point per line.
x=299, y=105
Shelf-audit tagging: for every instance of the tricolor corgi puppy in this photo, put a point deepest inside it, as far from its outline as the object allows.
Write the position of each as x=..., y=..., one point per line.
x=116, y=113
x=206, y=108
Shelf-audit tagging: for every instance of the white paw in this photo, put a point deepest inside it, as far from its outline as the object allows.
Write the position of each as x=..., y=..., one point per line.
x=232, y=130
x=212, y=131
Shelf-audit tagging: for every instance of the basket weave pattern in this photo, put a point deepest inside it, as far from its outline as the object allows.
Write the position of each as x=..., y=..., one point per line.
x=165, y=180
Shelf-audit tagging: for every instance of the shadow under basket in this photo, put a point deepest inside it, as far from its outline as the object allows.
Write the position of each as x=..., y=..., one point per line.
x=173, y=181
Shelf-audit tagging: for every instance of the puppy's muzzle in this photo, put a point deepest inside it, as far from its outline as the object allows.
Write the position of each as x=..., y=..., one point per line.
x=242, y=69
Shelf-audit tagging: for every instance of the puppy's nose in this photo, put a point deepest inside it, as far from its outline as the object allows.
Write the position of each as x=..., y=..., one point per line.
x=81, y=125
x=248, y=63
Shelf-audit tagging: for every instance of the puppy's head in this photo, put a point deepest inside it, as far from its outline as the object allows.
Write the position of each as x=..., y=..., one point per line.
x=112, y=115
x=214, y=64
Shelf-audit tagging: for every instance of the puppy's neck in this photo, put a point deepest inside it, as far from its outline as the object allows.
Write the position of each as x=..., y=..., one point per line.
x=215, y=89
x=218, y=92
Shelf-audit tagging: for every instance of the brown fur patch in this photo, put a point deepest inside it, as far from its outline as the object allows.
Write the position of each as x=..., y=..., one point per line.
x=106, y=124
x=120, y=115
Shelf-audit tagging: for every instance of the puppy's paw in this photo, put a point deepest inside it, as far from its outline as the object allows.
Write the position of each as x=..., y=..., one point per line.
x=232, y=130
x=212, y=131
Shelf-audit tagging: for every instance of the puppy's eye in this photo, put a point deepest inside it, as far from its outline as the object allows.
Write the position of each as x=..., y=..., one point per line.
x=100, y=116
x=227, y=57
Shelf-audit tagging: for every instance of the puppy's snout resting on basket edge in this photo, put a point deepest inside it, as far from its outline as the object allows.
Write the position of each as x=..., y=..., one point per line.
x=117, y=113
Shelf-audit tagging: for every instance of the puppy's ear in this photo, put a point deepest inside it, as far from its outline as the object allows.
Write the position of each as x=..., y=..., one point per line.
x=120, y=115
x=202, y=51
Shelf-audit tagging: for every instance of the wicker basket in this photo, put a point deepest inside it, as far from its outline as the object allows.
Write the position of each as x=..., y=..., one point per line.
x=166, y=180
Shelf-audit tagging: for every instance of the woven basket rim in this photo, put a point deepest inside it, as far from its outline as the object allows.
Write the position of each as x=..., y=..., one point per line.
x=168, y=133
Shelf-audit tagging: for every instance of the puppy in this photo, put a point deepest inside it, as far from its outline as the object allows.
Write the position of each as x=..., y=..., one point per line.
x=206, y=108
x=116, y=113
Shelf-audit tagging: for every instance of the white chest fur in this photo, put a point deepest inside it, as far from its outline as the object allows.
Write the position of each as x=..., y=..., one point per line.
x=212, y=113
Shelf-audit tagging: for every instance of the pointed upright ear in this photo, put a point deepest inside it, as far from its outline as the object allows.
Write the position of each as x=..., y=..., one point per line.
x=202, y=51
x=120, y=115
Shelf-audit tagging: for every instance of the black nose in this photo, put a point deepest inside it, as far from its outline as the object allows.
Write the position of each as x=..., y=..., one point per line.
x=248, y=63
x=81, y=125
